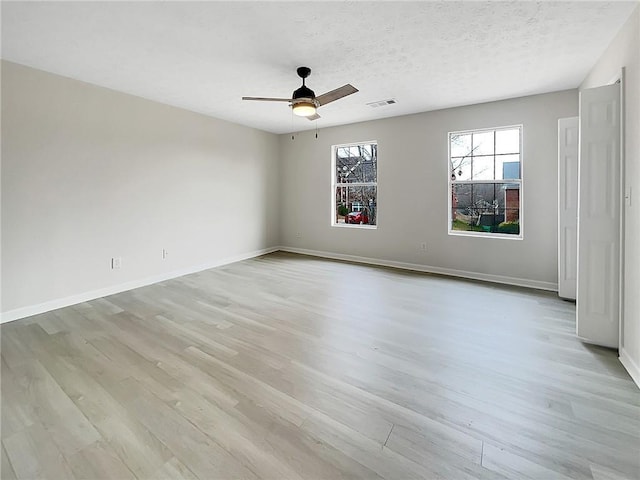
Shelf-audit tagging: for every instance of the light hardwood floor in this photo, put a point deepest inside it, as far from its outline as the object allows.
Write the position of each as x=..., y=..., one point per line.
x=289, y=367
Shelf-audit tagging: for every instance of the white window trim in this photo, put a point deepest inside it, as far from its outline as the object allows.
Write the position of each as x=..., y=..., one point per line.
x=462, y=233
x=334, y=185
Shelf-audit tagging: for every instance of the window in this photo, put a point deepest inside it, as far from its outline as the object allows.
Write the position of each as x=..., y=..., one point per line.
x=485, y=186
x=355, y=184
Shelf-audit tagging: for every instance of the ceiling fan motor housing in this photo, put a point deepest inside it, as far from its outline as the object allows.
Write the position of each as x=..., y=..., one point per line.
x=303, y=92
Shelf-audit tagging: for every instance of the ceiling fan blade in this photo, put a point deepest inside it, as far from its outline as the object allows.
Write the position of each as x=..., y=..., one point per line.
x=267, y=99
x=336, y=94
x=315, y=116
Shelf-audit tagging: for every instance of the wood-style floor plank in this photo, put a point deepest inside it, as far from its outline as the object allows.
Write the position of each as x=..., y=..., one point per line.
x=293, y=367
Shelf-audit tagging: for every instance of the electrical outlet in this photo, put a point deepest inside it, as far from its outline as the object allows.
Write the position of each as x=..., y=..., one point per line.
x=423, y=246
x=298, y=235
x=116, y=263
x=165, y=254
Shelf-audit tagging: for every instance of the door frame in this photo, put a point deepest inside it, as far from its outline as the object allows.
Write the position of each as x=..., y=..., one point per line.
x=563, y=126
x=620, y=78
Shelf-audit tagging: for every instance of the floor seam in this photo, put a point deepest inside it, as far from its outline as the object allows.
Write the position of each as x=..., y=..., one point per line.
x=387, y=439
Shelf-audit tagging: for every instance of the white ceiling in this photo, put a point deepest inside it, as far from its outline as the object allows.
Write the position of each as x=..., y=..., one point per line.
x=204, y=56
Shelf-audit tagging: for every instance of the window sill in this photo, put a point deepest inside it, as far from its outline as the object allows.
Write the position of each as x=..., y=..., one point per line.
x=355, y=225
x=502, y=236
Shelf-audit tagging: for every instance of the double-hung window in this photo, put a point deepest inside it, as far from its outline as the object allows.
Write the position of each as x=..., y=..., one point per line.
x=355, y=184
x=485, y=182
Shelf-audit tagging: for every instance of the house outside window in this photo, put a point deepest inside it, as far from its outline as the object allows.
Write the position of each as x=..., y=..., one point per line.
x=355, y=185
x=485, y=182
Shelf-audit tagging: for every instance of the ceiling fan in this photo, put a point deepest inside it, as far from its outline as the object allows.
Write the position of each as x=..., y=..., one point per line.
x=304, y=102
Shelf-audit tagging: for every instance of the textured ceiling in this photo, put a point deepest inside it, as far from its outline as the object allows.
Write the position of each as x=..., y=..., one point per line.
x=204, y=56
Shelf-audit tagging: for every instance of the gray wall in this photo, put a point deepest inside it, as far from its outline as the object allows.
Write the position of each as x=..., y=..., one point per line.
x=412, y=191
x=624, y=51
x=89, y=173
x=80, y=187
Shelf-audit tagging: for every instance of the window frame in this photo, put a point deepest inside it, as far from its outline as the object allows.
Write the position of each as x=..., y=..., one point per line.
x=519, y=181
x=335, y=184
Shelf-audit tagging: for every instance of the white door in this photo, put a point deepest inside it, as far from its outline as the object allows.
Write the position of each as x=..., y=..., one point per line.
x=567, y=207
x=599, y=216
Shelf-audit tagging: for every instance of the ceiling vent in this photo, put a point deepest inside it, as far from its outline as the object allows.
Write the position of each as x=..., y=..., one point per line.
x=381, y=103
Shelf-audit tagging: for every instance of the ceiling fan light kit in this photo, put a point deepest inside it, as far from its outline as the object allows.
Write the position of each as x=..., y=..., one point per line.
x=304, y=102
x=304, y=108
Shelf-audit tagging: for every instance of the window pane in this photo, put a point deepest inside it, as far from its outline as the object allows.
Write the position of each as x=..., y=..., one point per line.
x=356, y=205
x=463, y=216
x=511, y=208
x=482, y=168
x=356, y=164
x=461, y=168
x=460, y=145
x=507, y=166
x=508, y=141
x=483, y=143
x=341, y=204
x=486, y=207
x=342, y=152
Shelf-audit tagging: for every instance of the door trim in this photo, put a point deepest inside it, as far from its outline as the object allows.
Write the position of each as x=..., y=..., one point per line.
x=620, y=78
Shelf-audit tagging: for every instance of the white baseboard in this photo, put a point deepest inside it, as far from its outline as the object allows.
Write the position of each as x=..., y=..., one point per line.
x=520, y=282
x=630, y=365
x=27, y=311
